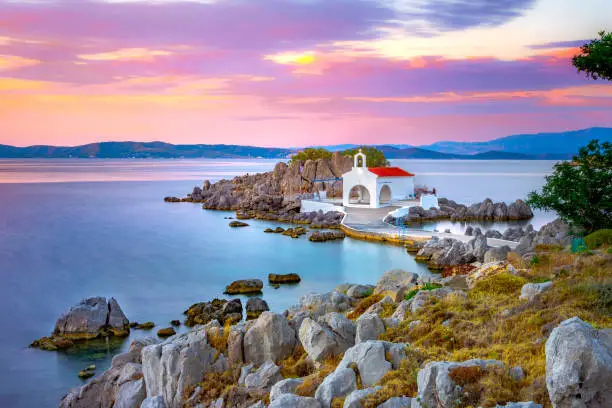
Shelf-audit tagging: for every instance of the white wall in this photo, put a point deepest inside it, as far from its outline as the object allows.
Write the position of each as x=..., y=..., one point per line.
x=401, y=187
x=310, y=206
x=359, y=176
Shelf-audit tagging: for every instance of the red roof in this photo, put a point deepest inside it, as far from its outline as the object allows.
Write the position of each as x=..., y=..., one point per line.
x=390, y=172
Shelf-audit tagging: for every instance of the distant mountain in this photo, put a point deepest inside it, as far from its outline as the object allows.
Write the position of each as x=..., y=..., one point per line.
x=142, y=150
x=559, y=145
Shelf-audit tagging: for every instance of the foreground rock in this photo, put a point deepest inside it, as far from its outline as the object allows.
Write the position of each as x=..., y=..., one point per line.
x=371, y=359
x=441, y=253
x=294, y=401
x=122, y=385
x=91, y=318
x=396, y=283
x=579, y=365
x=330, y=335
x=436, y=387
x=255, y=307
x=269, y=338
x=246, y=286
x=219, y=309
x=173, y=366
x=338, y=384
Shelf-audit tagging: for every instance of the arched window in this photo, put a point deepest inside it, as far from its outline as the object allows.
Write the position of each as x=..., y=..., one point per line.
x=359, y=195
x=384, y=197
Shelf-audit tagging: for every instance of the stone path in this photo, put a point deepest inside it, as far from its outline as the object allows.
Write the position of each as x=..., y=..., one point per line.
x=370, y=220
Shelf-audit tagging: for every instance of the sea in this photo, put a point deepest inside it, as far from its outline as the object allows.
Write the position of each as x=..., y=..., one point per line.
x=76, y=228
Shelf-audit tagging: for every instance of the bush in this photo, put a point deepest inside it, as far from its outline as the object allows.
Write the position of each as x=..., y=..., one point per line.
x=598, y=238
x=427, y=286
x=312, y=153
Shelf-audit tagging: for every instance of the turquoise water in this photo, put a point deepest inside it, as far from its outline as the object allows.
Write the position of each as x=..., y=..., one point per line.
x=103, y=230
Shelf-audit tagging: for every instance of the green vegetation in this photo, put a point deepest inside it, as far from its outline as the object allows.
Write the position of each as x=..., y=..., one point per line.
x=580, y=191
x=598, y=238
x=312, y=153
x=426, y=286
x=375, y=157
x=595, y=58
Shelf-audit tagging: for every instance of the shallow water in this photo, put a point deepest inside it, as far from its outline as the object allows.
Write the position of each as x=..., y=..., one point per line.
x=103, y=230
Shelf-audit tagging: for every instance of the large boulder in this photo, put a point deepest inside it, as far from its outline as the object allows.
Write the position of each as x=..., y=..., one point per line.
x=530, y=291
x=339, y=383
x=396, y=283
x=321, y=304
x=436, y=387
x=579, y=365
x=130, y=394
x=370, y=357
x=269, y=338
x=255, y=307
x=294, y=401
x=354, y=398
x=264, y=378
x=173, y=366
x=554, y=233
x=287, y=386
x=156, y=401
x=369, y=327
x=246, y=286
x=397, y=402
x=218, y=309
x=91, y=318
x=497, y=254
x=330, y=335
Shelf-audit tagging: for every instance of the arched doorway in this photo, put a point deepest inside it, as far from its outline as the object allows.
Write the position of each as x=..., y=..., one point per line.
x=359, y=195
x=385, y=195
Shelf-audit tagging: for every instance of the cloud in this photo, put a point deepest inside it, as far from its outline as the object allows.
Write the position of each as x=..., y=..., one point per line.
x=560, y=44
x=126, y=54
x=12, y=62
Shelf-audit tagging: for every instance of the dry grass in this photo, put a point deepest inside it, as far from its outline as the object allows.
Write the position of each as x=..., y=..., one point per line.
x=493, y=323
x=297, y=364
x=312, y=382
x=217, y=337
x=363, y=305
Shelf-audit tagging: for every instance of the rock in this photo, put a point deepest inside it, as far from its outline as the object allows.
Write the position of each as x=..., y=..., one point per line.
x=324, y=236
x=287, y=278
x=437, y=389
x=370, y=359
x=153, y=402
x=178, y=363
x=131, y=394
x=579, y=365
x=493, y=234
x=244, y=287
x=219, y=309
x=489, y=269
x=530, y=291
x=497, y=254
x=112, y=385
x=255, y=307
x=369, y=327
x=321, y=304
x=175, y=323
x=238, y=224
x=423, y=296
x=92, y=318
x=293, y=401
x=360, y=291
x=264, y=378
x=396, y=284
x=146, y=326
x=244, y=372
x=519, y=210
x=86, y=373
x=269, y=338
x=286, y=386
x=354, y=398
x=401, y=310
x=397, y=402
x=529, y=404
x=378, y=307
x=167, y=332
x=331, y=335
x=235, y=353
x=338, y=384
x=469, y=231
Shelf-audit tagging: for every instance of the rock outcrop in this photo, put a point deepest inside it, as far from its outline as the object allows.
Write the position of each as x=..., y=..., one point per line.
x=396, y=283
x=371, y=359
x=441, y=253
x=218, y=309
x=255, y=307
x=338, y=384
x=579, y=365
x=330, y=335
x=269, y=338
x=486, y=210
x=245, y=286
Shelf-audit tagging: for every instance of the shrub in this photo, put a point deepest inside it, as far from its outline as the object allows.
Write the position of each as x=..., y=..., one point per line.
x=598, y=238
x=363, y=305
x=427, y=286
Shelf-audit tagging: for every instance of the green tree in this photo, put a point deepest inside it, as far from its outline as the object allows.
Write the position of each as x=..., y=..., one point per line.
x=375, y=157
x=595, y=58
x=580, y=191
x=311, y=153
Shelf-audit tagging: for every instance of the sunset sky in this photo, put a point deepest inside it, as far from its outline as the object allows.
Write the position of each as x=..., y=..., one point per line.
x=295, y=72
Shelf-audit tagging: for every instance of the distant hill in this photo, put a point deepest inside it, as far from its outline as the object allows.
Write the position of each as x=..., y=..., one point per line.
x=142, y=150
x=559, y=145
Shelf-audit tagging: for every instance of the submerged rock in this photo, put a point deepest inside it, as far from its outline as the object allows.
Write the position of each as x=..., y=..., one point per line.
x=287, y=278
x=238, y=224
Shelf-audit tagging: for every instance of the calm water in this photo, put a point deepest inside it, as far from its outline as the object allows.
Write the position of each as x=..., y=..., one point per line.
x=76, y=228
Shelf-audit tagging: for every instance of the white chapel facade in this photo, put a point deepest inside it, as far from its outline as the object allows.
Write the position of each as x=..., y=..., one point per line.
x=375, y=187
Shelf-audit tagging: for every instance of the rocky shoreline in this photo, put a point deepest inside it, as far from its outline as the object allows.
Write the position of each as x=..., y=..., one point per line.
x=404, y=342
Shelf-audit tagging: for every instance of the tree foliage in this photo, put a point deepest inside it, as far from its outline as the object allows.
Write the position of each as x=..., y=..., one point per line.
x=595, y=58
x=580, y=191
x=375, y=157
x=311, y=153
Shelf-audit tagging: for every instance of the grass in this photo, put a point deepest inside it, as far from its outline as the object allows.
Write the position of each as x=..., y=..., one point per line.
x=426, y=286
x=493, y=323
x=312, y=382
x=363, y=305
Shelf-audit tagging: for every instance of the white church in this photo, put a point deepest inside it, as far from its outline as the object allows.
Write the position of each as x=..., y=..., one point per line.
x=375, y=187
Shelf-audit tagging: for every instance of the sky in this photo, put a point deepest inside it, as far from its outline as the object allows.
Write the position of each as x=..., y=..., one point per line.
x=295, y=72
